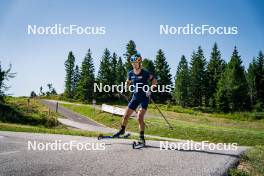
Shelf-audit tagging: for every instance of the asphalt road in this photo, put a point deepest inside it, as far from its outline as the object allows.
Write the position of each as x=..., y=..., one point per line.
x=70, y=114
x=117, y=158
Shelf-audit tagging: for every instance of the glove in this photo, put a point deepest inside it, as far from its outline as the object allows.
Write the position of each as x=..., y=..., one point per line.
x=148, y=93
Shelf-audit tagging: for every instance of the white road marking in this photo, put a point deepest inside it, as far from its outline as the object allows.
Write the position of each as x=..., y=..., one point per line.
x=10, y=152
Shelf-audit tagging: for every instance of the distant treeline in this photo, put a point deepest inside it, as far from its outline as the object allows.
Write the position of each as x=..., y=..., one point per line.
x=217, y=85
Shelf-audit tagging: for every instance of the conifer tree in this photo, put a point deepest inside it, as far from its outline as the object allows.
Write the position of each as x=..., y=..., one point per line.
x=130, y=50
x=86, y=81
x=198, y=79
x=182, y=83
x=232, y=94
x=69, y=68
x=121, y=72
x=149, y=65
x=104, y=73
x=162, y=71
x=76, y=78
x=215, y=69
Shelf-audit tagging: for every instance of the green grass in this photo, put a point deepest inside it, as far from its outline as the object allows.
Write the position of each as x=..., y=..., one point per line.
x=60, y=129
x=209, y=120
x=19, y=116
x=16, y=114
x=244, y=133
x=220, y=120
x=19, y=110
x=251, y=164
x=246, y=116
x=42, y=129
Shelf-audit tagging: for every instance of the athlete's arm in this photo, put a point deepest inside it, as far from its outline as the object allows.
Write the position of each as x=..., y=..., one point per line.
x=154, y=82
x=128, y=82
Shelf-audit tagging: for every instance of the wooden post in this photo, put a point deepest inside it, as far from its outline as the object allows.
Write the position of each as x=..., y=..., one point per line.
x=28, y=105
x=57, y=105
x=94, y=104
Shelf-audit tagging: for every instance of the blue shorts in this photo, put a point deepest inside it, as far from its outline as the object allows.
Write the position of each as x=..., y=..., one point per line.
x=133, y=104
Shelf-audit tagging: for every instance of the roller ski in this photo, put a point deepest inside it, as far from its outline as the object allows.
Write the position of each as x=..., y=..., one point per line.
x=139, y=144
x=119, y=135
x=125, y=136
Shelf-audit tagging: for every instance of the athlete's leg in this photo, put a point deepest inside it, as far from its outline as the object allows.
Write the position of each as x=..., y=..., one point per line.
x=141, y=125
x=131, y=107
x=140, y=118
x=126, y=116
x=129, y=110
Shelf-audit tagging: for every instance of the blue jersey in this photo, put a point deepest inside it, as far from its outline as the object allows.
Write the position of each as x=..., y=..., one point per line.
x=139, y=81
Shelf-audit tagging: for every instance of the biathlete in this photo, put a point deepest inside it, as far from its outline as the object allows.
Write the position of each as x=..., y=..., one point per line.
x=139, y=78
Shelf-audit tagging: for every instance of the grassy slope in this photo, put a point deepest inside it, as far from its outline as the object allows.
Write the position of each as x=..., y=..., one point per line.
x=17, y=115
x=251, y=164
x=19, y=110
x=41, y=129
x=186, y=126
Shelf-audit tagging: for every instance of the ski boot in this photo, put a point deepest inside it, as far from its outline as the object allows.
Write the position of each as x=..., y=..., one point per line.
x=139, y=144
x=120, y=132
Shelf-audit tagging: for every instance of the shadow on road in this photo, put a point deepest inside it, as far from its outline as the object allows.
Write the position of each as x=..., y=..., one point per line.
x=181, y=150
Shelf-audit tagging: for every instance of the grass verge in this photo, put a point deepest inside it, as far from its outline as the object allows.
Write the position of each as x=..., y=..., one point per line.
x=251, y=164
x=182, y=129
x=20, y=114
x=41, y=129
x=27, y=111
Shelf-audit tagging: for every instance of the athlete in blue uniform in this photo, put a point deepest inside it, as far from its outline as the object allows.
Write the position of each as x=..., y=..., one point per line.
x=139, y=78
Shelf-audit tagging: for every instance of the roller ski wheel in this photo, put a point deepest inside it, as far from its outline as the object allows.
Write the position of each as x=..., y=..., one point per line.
x=139, y=144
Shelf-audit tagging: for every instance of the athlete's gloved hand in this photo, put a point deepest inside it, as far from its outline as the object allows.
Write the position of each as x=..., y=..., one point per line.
x=148, y=93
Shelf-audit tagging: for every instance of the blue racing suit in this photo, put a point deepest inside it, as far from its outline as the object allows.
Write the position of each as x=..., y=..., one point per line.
x=139, y=95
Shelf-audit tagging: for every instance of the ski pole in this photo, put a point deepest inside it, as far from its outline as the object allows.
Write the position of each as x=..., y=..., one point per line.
x=161, y=113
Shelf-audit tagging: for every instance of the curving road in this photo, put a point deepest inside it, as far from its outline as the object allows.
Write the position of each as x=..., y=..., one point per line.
x=118, y=158
x=70, y=114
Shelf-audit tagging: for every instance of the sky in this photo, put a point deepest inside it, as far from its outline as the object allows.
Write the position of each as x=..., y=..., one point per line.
x=39, y=59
